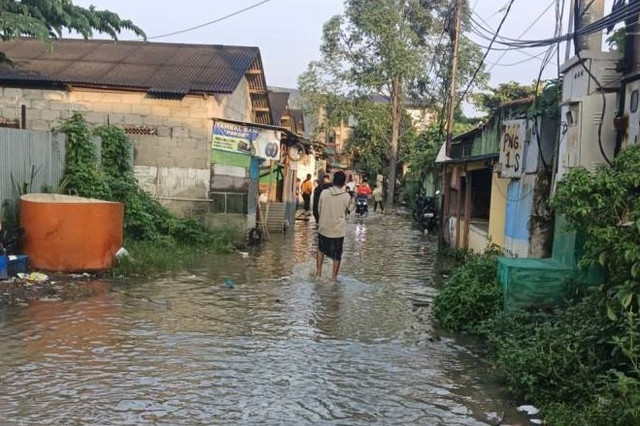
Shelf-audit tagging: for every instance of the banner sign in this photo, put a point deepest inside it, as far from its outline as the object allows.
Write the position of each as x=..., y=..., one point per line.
x=247, y=140
x=512, y=138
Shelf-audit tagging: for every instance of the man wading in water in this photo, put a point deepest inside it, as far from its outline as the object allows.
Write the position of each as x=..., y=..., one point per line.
x=332, y=227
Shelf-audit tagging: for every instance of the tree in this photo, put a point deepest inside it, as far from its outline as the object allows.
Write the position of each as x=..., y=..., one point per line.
x=48, y=19
x=505, y=92
x=391, y=48
x=369, y=143
x=377, y=47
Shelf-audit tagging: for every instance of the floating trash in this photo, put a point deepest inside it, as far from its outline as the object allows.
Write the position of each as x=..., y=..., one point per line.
x=228, y=283
x=37, y=277
x=528, y=409
x=122, y=252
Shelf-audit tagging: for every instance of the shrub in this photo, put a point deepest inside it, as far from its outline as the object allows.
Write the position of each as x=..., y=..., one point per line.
x=546, y=357
x=113, y=179
x=471, y=296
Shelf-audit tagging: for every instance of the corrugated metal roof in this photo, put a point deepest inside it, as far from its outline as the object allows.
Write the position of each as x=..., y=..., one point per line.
x=278, y=102
x=155, y=67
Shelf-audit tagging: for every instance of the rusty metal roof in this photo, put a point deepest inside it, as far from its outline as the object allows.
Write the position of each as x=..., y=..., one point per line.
x=278, y=102
x=161, y=68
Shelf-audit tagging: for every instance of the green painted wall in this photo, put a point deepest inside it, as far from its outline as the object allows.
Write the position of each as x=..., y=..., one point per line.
x=230, y=158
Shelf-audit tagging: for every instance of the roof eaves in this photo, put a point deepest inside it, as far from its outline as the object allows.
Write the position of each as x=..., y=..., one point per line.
x=472, y=159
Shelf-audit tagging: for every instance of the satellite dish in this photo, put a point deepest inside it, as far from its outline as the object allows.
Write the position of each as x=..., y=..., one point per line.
x=296, y=152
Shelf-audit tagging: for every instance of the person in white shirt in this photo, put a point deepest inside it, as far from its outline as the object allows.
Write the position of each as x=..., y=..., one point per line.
x=332, y=227
x=351, y=186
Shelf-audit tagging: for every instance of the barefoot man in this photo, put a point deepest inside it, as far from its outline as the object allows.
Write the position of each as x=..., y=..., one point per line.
x=332, y=227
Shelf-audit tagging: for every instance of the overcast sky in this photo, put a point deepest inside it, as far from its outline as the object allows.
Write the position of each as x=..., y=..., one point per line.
x=288, y=31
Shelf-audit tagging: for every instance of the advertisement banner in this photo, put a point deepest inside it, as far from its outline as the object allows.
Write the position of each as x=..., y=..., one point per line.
x=247, y=140
x=512, y=138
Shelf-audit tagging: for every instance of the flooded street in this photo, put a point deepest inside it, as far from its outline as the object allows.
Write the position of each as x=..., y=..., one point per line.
x=277, y=348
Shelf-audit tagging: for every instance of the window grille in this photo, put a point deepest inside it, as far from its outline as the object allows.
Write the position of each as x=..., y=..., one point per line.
x=228, y=202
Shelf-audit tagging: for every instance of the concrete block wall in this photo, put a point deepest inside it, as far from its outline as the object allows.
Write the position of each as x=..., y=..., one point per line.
x=178, y=156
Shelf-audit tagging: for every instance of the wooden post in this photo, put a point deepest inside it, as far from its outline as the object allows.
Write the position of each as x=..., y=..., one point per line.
x=467, y=209
x=446, y=203
x=266, y=215
x=452, y=107
x=458, y=210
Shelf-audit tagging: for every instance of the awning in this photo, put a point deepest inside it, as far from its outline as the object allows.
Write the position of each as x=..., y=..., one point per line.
x=482, y=157
x=442, y=154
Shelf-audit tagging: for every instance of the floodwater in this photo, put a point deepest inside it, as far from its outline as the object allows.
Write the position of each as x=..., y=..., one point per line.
x=279, y=347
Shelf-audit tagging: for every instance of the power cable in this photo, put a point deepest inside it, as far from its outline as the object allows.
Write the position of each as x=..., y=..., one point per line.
x=512, y=64
x=526, y=30
x=545, y=63
x=622, y=13
x=481, y=63
x=215, y=21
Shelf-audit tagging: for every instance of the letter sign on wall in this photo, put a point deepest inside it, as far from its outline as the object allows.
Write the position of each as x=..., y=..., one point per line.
x=512, y=139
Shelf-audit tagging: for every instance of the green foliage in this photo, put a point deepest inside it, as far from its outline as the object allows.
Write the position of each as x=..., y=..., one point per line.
x=83, y=175
x=605, y=207
x=471, y=296
x=113, y=179
x=581, y=362
x=422, y=150
x=505, y=92
x=149, y=258
x=566, y=363
x=377, y=47
x=369, y=142
x=50, y=19
x=552, y=357
x=617, y=40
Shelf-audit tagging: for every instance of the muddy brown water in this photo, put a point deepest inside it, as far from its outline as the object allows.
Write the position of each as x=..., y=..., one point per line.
x=278, y=348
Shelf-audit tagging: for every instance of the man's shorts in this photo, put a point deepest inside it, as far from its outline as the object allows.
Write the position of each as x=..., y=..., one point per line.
x=331, y=247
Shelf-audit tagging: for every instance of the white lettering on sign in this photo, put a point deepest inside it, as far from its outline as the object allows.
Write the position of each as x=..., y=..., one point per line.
x=512, y=139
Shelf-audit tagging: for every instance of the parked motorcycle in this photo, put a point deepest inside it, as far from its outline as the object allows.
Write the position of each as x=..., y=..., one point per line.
x=425, y=213
x=362, y=205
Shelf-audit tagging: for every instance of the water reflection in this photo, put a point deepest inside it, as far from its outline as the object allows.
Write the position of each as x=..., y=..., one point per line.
x=277, y=348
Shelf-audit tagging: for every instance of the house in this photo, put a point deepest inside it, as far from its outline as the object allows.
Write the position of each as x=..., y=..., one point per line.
x=496, y=175
x=165, y=96
x=586, y=138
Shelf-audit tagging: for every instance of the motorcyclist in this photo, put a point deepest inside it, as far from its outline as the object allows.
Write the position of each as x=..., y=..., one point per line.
x=364, y=189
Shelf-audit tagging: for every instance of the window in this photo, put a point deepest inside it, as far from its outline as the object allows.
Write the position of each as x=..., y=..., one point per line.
x=633, y=102
x=228, y=202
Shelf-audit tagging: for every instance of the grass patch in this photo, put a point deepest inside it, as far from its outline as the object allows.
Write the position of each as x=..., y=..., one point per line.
x=151, y=258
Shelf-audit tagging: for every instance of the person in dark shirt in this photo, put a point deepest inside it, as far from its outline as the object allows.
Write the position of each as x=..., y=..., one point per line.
x=326, y=183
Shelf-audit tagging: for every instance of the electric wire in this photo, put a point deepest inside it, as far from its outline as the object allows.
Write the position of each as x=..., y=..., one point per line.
x=215, y=21
x=526, y=30
x=486, y=53
x=547, y=60
x=622, y=13
x=512, y=64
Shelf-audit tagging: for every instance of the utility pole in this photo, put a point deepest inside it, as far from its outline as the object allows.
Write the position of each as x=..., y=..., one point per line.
x=455, y=36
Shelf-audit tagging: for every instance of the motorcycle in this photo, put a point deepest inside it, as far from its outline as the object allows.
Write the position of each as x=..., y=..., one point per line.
x=425, y=213
x=362, y=205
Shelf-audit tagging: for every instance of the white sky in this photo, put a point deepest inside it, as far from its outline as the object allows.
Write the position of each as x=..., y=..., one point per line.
x=288, y=31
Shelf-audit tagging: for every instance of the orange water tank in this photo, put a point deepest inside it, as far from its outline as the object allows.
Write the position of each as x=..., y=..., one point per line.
x=68, y=234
